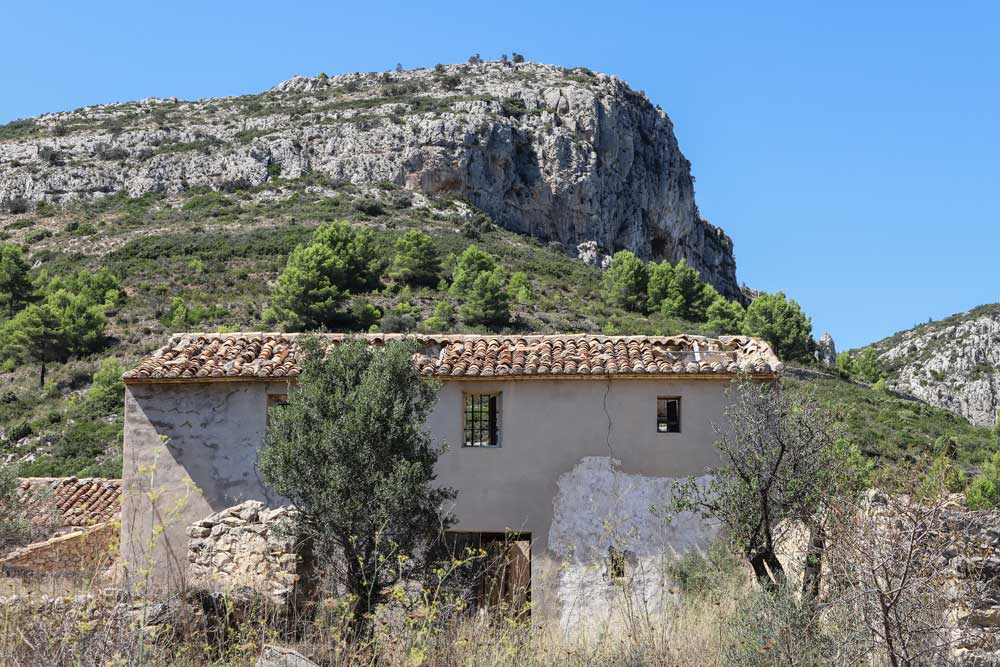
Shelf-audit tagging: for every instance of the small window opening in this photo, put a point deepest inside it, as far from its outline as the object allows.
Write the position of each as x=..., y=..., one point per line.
x=668, y=415
x=617, y=563
x=482, y=420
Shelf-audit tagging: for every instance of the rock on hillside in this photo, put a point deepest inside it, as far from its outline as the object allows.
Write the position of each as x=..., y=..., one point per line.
x=953, y=363
x=565, y=155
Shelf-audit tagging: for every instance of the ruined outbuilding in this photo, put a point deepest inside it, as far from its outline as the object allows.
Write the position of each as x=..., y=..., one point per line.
x=561, y=444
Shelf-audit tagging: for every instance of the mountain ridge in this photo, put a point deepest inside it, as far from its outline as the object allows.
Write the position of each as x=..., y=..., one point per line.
x=952, y=363
x=565, y=155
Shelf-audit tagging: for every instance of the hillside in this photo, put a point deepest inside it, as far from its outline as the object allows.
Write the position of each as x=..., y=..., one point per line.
x=564, y=155
x=952, y=363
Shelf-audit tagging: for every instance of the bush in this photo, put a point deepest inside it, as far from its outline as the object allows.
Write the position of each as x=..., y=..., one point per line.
x=778, y=628
x=984, y=490
x=17, y=205
x=696, y=573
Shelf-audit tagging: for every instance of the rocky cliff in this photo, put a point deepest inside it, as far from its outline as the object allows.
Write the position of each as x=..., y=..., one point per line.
x=953, y=363
x=568, y=156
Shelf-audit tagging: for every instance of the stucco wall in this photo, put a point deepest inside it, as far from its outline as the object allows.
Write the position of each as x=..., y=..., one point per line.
x=190, y=450
x=576, y=456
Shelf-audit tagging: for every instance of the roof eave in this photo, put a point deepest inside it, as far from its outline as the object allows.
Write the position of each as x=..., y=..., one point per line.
x=769, y=375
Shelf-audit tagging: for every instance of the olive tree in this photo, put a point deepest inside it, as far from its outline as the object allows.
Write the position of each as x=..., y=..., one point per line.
x=351, y=451
x=778, y=463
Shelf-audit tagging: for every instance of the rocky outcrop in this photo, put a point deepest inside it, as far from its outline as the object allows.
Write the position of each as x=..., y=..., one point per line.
x=826, y=350
x=952, y=363
x=250, y=546
x=567, y=156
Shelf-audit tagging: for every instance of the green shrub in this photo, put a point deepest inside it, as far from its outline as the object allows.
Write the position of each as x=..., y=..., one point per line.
x=984, y=490
x=697, y=572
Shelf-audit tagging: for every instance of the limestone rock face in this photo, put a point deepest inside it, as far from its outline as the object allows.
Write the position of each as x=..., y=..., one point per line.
x=568, y=156
x=826, y=353
x=952, y=363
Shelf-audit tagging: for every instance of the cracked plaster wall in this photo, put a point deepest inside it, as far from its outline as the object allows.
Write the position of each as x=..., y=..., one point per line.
x=551, y=476
x=190, y=450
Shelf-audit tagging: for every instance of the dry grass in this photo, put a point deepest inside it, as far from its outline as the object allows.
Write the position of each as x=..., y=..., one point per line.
x=95, y=628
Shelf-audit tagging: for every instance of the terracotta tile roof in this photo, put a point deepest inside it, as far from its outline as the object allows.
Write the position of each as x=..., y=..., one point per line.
x=76, y=502
x=270, y=356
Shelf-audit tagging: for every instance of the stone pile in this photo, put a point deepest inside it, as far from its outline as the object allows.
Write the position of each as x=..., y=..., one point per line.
x=249, y=545
x=974, y=559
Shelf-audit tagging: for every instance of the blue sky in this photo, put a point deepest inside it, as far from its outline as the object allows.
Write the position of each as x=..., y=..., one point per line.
x=852, y=154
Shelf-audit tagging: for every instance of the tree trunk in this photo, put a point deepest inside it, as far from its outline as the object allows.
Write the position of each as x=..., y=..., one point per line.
x=767, y=568
x=41, y=377
x=812, y=572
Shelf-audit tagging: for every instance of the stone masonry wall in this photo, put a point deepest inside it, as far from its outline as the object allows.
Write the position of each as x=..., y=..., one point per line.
x=83, y=551
x=250, y=545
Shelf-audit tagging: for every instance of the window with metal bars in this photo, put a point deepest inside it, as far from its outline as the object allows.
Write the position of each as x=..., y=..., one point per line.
x=482, y=420
x=668, y=415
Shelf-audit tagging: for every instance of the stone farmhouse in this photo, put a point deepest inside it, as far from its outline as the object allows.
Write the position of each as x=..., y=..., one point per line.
x=558, y=445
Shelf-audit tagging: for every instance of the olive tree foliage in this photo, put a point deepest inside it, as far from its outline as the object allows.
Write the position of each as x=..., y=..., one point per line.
x=351, y=451
x=779, y=462
x=781, y=322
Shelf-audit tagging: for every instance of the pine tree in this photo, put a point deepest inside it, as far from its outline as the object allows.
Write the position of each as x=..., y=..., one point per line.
x=320, y=276
x=416, y=261
x=685, y=292
x=15, y=287
x=487, y=302
x=468, y=266
x=307, y=295
x=660, y=276
x=626, y=281
x=725, y=317
x=63, y=325
x=781, y=322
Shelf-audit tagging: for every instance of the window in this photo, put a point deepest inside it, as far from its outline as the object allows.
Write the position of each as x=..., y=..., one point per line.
x=668, y=415
x=482, y=421
x=617, y=563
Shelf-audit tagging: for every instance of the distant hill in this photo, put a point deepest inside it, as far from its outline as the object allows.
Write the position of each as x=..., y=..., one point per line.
x=952, y=363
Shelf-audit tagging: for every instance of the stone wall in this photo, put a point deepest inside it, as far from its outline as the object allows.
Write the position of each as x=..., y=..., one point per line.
x=88, y=550
x=250, y=545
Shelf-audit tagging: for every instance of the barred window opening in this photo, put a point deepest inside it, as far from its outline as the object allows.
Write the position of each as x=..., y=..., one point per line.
x=482, y=422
